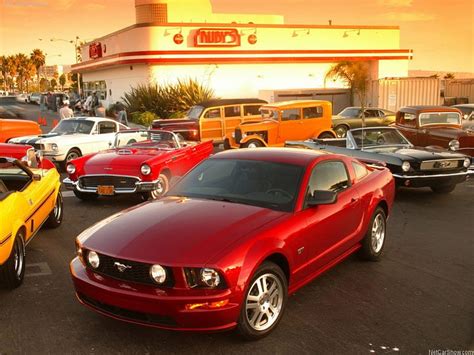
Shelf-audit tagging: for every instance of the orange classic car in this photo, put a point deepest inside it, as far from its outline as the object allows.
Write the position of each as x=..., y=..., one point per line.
x=284, y=121
x=16, y=128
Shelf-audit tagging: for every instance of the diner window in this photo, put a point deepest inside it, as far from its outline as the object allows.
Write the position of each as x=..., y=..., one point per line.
x=312, y=112
x=252, y=110
x=213, y=113
x=232, y=111
x=290, y=114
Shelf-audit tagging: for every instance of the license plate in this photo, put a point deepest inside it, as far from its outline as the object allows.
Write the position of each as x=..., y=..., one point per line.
x=105, y=190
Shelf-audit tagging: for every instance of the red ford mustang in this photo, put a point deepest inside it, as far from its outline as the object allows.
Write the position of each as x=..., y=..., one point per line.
x=232, y=239
x=141, y=162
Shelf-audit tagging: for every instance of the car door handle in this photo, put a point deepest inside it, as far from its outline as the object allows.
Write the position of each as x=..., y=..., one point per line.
x=354, y=200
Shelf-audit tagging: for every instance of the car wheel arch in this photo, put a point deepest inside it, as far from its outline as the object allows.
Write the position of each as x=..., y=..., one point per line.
x=253, y=137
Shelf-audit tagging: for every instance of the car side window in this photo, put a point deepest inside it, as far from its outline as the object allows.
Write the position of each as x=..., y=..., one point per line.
x=328, y=176
x=107, y=127
x=252, y=110
x=312, y=112
x=213, y=113
x=232, y=111
x=360, y=170
x=290, y=114
x=408, y=119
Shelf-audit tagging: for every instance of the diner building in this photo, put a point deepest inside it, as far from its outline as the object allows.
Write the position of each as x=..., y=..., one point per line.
x=237, y=55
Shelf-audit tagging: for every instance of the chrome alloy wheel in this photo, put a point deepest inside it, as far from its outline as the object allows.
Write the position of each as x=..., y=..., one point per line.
x=378, y=233
x=57, y=209
x=253, y=145
x=264, y=302
x=18, y=258
x=162, y=187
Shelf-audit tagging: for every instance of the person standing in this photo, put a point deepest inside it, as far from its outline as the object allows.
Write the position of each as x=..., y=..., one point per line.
x=95, y=102
x=65, y=112
x=121, y=113
x=100, y=110
x=42, y=102
x=88, y=104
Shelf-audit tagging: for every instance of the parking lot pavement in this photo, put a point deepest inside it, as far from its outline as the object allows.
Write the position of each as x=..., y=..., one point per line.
x=419, y=297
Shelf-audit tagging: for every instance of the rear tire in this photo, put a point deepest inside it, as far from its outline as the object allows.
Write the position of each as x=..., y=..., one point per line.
x=85, y=196
x=341, y=131
x=443, y=189
x=325, y=135
x=264, y=302
x=374, y=241
x=56, y=216
x=13, y=271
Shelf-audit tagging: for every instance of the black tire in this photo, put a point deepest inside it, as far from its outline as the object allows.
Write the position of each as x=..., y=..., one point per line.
x=85, y=196
x=253, y=143
x=446, y=189
x=56, y=216
x=12, y=271
x=272, y=273
x=369, y=251
x=325, y=135
x=341, y=131
x=164, y=181
x=72, y=154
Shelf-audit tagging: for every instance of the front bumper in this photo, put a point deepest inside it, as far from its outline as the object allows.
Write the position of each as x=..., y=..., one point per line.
x=140, y=186
x=150, y=306
x=431, y=180
x=55, y=157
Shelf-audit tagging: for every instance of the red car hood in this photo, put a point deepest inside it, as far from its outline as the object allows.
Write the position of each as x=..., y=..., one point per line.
x=175, y=231
x=121, y=158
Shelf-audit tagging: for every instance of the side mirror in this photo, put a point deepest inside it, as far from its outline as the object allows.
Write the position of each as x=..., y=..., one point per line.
x=36, y=177
x=321, y=197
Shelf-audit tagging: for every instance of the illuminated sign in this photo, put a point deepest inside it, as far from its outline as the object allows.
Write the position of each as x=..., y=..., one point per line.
x=217, y=37
x=95, y=50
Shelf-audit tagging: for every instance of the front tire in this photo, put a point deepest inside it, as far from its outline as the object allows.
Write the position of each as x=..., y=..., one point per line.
x=56, y=216
x=264, y=302
x=374, y=240
x=85, y=196
x=13, y=271
x=443, y=189
x=341, y=131
x=163, y=187
x=253, y=143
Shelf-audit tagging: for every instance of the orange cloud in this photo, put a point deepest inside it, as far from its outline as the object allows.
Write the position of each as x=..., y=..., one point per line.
x=396, y=3
x=408, y=16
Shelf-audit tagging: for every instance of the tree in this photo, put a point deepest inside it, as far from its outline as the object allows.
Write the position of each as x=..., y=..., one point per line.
x=62, y=81
x=356, y=76
x=44, y=84
x=449, y=76
x=53, y=83
x=11, y=71
x=4, y=70
x=39, y=59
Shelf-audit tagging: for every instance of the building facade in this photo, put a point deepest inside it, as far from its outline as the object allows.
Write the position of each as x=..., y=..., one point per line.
x=236, y=55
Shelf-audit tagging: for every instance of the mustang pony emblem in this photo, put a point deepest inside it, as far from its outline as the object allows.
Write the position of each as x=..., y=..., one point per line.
x=121, y=267
x=442, y=164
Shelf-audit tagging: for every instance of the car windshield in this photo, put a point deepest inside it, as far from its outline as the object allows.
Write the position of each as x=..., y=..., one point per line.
x=350, y=112
x=257, y=183
x=195, y=112
x=378, y=137
x=73, y=126
x=148, y=139
x=434, y=118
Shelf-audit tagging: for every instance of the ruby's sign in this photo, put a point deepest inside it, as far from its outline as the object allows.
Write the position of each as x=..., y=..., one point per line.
x=217, y=37
x=95, y=50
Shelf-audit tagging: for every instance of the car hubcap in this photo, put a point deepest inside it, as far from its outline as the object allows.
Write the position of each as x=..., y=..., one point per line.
x=253, y=145
x=18, y=258
x=57, y=209
x=378, y=233
x=160, y=190
x=72, y=156
x=341, y=132
x=264, y=302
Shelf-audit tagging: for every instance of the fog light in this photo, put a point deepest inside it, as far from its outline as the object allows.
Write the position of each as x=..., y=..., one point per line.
x=93, y=259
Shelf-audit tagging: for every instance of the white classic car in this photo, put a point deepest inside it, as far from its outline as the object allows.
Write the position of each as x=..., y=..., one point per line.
x=74, y=137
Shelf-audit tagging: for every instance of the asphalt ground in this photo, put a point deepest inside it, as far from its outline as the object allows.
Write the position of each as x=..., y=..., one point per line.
x=420, y=297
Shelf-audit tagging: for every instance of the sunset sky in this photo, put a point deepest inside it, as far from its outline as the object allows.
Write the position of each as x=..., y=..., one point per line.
x=439, y=32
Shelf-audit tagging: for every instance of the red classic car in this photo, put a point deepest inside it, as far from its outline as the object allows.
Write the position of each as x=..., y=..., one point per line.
x=25, y=153
x=232, y=239
x=435, y=126
x=141, y=162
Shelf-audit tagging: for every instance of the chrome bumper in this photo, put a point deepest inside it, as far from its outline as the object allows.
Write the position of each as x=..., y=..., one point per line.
x=464, y=173
x=140, y=186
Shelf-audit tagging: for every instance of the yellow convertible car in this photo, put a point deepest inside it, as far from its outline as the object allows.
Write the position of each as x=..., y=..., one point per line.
x=29, y=198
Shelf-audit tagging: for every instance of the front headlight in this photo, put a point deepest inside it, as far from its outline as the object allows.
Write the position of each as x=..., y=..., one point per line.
x=467, y=162
x=406, y=166
x=244, y=135
x=210, y=277
x=71, y=169
x=158, y=273
x=51, y=147
x=454, y=144
x=145, y=169
x=93, y=259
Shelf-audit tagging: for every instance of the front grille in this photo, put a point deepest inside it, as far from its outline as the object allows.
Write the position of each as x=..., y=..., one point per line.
x=135, y=271
x=37, y=146
x=118, y=182
x=442, y=164
x=152, y=319
x=238, y=135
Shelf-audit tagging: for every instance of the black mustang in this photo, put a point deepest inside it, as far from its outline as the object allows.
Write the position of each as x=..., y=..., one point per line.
x=411, y=166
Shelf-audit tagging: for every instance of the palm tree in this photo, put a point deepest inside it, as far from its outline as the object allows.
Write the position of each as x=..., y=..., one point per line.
x=356, y=76
x=4, y=70
x=39, y=59
x=12, y=70
x=22, y=68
